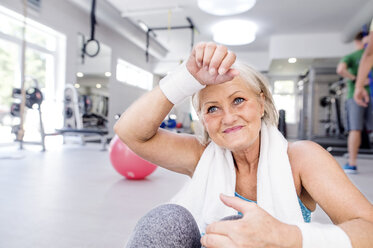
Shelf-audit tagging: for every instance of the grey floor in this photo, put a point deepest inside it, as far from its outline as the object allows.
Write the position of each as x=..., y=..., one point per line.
x=70, y=196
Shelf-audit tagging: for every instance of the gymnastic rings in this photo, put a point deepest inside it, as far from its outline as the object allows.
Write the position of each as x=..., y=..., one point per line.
x=91, y=47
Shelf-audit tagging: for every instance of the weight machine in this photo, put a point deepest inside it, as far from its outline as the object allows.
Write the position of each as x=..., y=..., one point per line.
x=76, y=118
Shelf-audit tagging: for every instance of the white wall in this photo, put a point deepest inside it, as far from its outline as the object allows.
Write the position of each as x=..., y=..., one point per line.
x=318, y=45
x=258, y=60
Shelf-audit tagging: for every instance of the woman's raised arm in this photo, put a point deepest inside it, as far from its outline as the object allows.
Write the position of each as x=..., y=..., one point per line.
x=138, y=126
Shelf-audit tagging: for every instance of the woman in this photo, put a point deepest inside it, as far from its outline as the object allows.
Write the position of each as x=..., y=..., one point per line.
x=240, y=154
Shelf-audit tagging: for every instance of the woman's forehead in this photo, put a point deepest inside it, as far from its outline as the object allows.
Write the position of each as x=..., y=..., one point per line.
x=211, y=92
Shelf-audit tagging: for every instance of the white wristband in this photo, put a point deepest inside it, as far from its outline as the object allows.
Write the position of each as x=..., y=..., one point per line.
x=315, y=235
x=179, y=84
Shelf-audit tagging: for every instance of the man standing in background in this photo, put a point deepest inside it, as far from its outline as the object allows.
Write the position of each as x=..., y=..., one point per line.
x=357, y=115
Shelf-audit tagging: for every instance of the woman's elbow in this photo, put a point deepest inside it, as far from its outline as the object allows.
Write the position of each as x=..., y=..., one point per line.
x=116, y=127
x=119, y=130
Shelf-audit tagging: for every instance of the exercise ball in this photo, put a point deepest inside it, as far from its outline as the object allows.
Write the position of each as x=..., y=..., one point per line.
x=127, y=163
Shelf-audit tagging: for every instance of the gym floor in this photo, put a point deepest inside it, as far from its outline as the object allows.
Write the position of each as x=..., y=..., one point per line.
x=70, y=196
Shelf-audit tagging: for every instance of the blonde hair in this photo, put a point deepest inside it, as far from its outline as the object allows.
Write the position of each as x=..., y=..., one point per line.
x=257, y=83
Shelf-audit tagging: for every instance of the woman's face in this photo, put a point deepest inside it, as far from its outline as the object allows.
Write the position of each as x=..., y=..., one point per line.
x=231, y=113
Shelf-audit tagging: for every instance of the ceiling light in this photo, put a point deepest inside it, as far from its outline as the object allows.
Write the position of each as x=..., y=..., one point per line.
x=108, y=74
x=80, y=74
x=224, y=7
x=234, y=32
x=98, y=86
x=77, y=86
x=292, y=60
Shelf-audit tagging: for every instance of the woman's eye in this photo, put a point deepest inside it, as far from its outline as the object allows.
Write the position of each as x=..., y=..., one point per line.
x=212, y=109
x=238, y=100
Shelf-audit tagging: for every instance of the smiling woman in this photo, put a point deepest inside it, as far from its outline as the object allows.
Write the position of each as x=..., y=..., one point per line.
x=241, y=154
x=252, y=83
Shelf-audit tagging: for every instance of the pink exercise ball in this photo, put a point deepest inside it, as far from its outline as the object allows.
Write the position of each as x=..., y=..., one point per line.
x=127, y=163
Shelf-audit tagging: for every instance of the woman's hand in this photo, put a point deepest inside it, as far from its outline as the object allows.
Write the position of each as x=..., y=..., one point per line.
x=211, y=64
x=255, y=230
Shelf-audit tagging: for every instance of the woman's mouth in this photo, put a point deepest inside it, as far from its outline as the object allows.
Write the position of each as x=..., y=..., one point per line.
x=232, y=129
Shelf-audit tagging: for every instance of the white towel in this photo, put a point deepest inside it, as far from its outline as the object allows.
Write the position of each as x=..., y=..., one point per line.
x=215, y=174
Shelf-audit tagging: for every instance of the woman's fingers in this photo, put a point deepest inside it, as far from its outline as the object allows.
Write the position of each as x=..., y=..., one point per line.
x=216, y=241
x=214, y=58
x=208, y=53
x=227, y=62
x=199, y=51
x=217, y=58
x=210, y=63
x=228, y=76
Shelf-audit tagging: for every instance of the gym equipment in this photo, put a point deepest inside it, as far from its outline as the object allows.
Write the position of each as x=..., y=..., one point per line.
x=91, y=47
x=90, y=132
x=14, y=109
x=333, y=122
x=16, y=93
x=171, y=123
x=33, y=98
x=127, y=163
x=78, y=119
x=282, y=122
x=72, y=116
x=86, y=102
x=311, y=87
x=191, y=26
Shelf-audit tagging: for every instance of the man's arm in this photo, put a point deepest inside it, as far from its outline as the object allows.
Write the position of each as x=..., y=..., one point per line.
x=361, y=95
x=343, y=71
x=366, y=63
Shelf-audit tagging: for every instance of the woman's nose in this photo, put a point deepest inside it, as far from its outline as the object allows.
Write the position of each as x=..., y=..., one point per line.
x=229, y=116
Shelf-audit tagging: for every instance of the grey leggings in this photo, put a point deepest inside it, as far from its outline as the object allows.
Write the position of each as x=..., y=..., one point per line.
x=167, y=226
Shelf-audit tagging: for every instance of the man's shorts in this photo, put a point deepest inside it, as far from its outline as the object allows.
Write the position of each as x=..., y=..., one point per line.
x=358, y=116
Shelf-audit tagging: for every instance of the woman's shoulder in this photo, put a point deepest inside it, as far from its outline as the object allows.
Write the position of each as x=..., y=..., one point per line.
x=304, y=154
x=301, y=146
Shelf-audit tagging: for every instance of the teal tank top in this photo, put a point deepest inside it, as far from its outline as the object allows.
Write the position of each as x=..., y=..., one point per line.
x=305, y=211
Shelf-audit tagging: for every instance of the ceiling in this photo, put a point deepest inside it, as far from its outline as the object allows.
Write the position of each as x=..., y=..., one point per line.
x=273, y=17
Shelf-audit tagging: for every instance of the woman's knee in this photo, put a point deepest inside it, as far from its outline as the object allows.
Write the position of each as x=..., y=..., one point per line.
x=168, y=225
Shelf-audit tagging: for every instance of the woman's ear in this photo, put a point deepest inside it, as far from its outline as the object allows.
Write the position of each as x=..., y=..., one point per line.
x=262, y=102
x=262, y=97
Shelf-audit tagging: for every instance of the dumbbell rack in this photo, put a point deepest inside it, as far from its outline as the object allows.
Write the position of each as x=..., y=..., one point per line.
x=42, y=134
x=33, y=97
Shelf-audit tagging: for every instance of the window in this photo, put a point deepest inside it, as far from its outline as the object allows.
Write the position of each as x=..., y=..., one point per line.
x=11, y=24
x=134, y=75
x=284, y=97
x=8, y=62
x=44, y=58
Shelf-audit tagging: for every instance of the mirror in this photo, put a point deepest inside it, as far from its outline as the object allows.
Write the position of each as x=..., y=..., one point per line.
x=87, y=101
